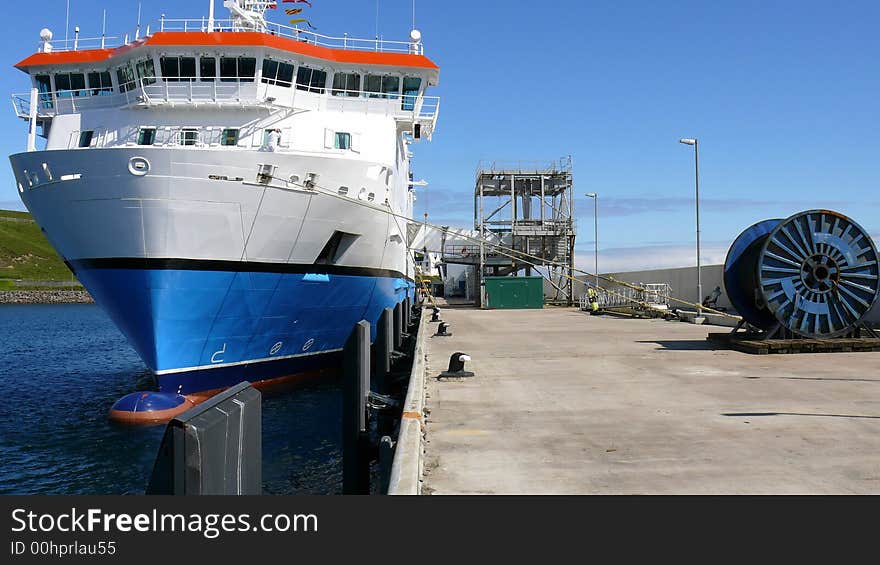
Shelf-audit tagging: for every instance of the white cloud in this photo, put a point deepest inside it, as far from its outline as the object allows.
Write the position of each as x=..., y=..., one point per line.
x=651, y=257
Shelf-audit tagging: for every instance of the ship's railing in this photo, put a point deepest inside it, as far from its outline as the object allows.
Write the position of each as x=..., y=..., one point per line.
x=50, y=104
x=87, y=43
x=281, y=30
x=408, y=108
x=194, y=92
x=227, y=26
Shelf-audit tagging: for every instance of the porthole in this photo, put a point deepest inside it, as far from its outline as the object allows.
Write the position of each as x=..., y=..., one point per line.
x=138, y=166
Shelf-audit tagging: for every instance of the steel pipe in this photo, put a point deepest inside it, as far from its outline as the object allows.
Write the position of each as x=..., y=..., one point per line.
x=814, y=274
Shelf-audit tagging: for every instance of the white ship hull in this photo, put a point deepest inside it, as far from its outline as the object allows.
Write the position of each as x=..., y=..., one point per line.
x=213, y=276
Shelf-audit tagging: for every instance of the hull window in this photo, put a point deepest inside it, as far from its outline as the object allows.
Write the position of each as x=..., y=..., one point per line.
x=85, y=138
x=342, y=140
x=189, y=136
x=147, y=136
x=229, y=137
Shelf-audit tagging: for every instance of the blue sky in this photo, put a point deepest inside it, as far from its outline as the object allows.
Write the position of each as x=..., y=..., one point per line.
x=783, y=96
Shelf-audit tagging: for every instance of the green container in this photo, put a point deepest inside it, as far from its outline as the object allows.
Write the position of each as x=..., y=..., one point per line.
x=509, y=293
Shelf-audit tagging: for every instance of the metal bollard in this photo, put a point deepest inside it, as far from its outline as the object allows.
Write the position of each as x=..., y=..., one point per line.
x=442, y=330
x=456, y=366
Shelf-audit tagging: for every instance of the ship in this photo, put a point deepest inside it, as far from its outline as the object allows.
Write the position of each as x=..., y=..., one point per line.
x=234, y=193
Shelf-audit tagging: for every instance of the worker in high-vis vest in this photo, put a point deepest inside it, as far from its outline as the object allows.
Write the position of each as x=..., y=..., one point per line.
x=593, y=297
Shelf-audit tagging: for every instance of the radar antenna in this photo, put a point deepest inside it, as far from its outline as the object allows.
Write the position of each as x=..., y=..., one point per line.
x=249, y=15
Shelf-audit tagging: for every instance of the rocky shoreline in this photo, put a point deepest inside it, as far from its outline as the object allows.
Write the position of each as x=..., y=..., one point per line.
x=45, y=297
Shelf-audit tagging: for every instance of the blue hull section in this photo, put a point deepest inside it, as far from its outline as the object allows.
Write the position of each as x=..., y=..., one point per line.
x=201, y=329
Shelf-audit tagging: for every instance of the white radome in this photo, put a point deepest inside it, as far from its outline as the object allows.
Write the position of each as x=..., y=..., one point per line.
x=46, y=34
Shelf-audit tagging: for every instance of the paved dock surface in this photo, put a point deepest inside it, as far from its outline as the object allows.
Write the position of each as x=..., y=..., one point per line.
x=563, y=402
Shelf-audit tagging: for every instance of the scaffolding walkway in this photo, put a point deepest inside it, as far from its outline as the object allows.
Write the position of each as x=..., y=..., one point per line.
x=650, y=300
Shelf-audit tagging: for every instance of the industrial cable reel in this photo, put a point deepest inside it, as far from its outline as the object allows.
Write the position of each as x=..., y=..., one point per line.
x=814, y=274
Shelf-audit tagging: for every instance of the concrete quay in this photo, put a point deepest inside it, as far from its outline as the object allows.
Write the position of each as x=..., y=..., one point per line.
x=567, y=403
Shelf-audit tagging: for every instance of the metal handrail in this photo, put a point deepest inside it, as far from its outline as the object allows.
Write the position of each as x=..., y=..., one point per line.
x=416, y=108
x=227, y=26
x=291, y=32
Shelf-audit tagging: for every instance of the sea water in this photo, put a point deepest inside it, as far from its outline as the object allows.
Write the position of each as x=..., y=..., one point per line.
x=61, y=369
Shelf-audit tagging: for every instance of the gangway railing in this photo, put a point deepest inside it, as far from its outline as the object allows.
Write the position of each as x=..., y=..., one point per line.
x=648, y=298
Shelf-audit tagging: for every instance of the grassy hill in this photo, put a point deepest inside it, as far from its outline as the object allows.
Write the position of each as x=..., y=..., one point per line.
x=25, y=253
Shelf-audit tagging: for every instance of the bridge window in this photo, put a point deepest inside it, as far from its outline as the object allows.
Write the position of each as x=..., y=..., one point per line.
x=277, y=73
x=146, y=71
x=147, y=136
x=233, y=69
x=85, y=138
x=189, y=136
x=44, y=87
x=382, y=86
x=229, y=137
x=411, y=87
x=177, y=69
x=100, y=83
x=208, y=68
x=311, y=80
x=70, y=84
x=346, y=84
x=125, y=77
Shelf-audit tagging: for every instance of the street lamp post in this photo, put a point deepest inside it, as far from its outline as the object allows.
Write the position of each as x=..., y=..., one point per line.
x=595, y=198
x=695, y=143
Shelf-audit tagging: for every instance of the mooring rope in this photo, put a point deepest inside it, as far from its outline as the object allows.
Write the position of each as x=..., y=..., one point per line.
x=521, y=255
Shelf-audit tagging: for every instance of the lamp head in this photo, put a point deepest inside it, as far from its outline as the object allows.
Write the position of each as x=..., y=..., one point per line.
x=687, y=141
x=591, y=195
